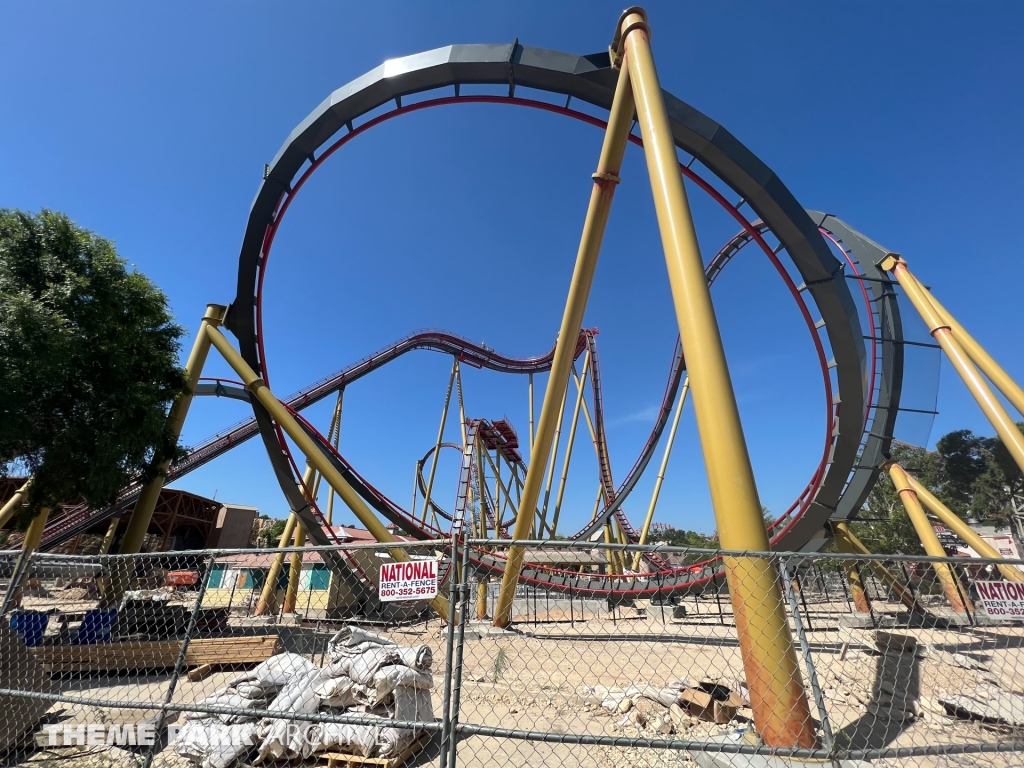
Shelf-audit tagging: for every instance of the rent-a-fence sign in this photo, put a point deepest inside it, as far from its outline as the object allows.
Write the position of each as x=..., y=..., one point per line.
x=1002, y=599
x=414, y=580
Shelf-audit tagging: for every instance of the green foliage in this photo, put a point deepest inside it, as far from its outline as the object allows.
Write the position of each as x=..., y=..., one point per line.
x=501, y=665
x=88, y=363
x=271, y=535
x=974, y=476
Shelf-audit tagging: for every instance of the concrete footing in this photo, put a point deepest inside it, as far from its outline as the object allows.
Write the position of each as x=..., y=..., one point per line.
x=733, y=760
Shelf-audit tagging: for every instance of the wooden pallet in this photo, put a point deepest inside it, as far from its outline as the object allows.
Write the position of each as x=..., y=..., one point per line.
x=343, y=760
x=104, y=657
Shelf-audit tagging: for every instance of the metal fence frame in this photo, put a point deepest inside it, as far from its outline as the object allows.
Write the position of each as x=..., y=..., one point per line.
x=451, y=727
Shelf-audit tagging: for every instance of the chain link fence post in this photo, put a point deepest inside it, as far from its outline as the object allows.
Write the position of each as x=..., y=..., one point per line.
x=460, y=645
x=805, y=650
x=179, y=664
x=446, y=719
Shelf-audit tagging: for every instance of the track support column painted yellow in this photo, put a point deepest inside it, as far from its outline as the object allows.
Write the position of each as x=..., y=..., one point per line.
x=13, y=504
x=941, y=331
x=605, y=180
x=291, y=594
x=960, y=528
x=883, y=574
x=269, y=592
x=645, y=531
x=780, y=706
x=955, y=593
x=312, y=453
x=853, y=580
x=142, y=514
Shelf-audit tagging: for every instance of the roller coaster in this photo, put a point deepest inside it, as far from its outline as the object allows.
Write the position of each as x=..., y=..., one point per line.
x=827, y=267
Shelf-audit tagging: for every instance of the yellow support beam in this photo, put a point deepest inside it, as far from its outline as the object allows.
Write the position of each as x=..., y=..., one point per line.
x=883, y=574
x=661, y=473
x=995, y=373
x=940, y=329
x=14, y=504
x=780, y=707
x=313, y=454
x=605, y=180
x=269, y=591
x=951, y=585
x=142, y=514
x=961, y=529
x=853, y=579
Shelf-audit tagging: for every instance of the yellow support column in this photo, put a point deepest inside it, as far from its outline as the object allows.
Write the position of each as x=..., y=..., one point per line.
x=961, y=529
x=940, y=329
x=605, y=180
x=1000, y=378
x=108, y=537
x=268, y=595
x=883, y=574
x=860, y=598
x=295, y=573
x=13, y=504
x=780, y=707
x=142, y=514
x=955, y=593
x=313, y=454
x=645, y=531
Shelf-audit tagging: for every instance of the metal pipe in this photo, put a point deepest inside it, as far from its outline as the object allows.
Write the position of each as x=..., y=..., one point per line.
x=661, y=472
x=462, y=407
x=960, y=528
x=440, y=437
x=780, y=706
x=268, y=596
x=108, y=537
x=142, y=514
x=853, y=579
x=950, y=584
x=551, y=463
x=336, y=426
x=312, y=452
x=291, y=593
x=995, y=373
x=13, y=504
x=940, y=331
x=581, y=382
x=883, y=574
x=530, y=385
x=29, y=544
x=604, y=183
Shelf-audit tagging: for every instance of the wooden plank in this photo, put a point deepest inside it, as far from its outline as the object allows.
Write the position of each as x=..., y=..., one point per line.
x=344, y=759
x=162, y=654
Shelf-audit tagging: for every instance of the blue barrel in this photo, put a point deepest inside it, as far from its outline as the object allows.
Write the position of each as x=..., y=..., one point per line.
x=30, y=626
x=95, y=627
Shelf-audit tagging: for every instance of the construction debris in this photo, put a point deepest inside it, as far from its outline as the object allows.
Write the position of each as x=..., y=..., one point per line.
x=987, y=703
x=671, y=709
x=367, y=675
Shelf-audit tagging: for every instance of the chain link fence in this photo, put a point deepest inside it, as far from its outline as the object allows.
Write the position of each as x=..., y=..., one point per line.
x=616, y=656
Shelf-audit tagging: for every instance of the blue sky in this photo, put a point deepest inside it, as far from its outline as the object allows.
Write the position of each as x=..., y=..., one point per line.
x=150, y=124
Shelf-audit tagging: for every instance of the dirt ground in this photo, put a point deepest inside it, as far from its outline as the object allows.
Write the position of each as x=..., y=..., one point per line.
x=552, y=673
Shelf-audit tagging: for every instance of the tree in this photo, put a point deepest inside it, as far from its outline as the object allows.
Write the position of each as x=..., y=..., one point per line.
x=88, y=363
x=972, y=475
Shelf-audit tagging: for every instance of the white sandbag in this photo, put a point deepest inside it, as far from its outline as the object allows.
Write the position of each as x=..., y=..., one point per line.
x=287, y=739
x=226, y=698
x=391, y=741
x=389, y=678
x=418, y=657
x=256, y=690
x=351, y=636
x=341, y=692
x=413, y=705
x=345, y=737
x=212, y=744
x=277, y=671
x=363, y=666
